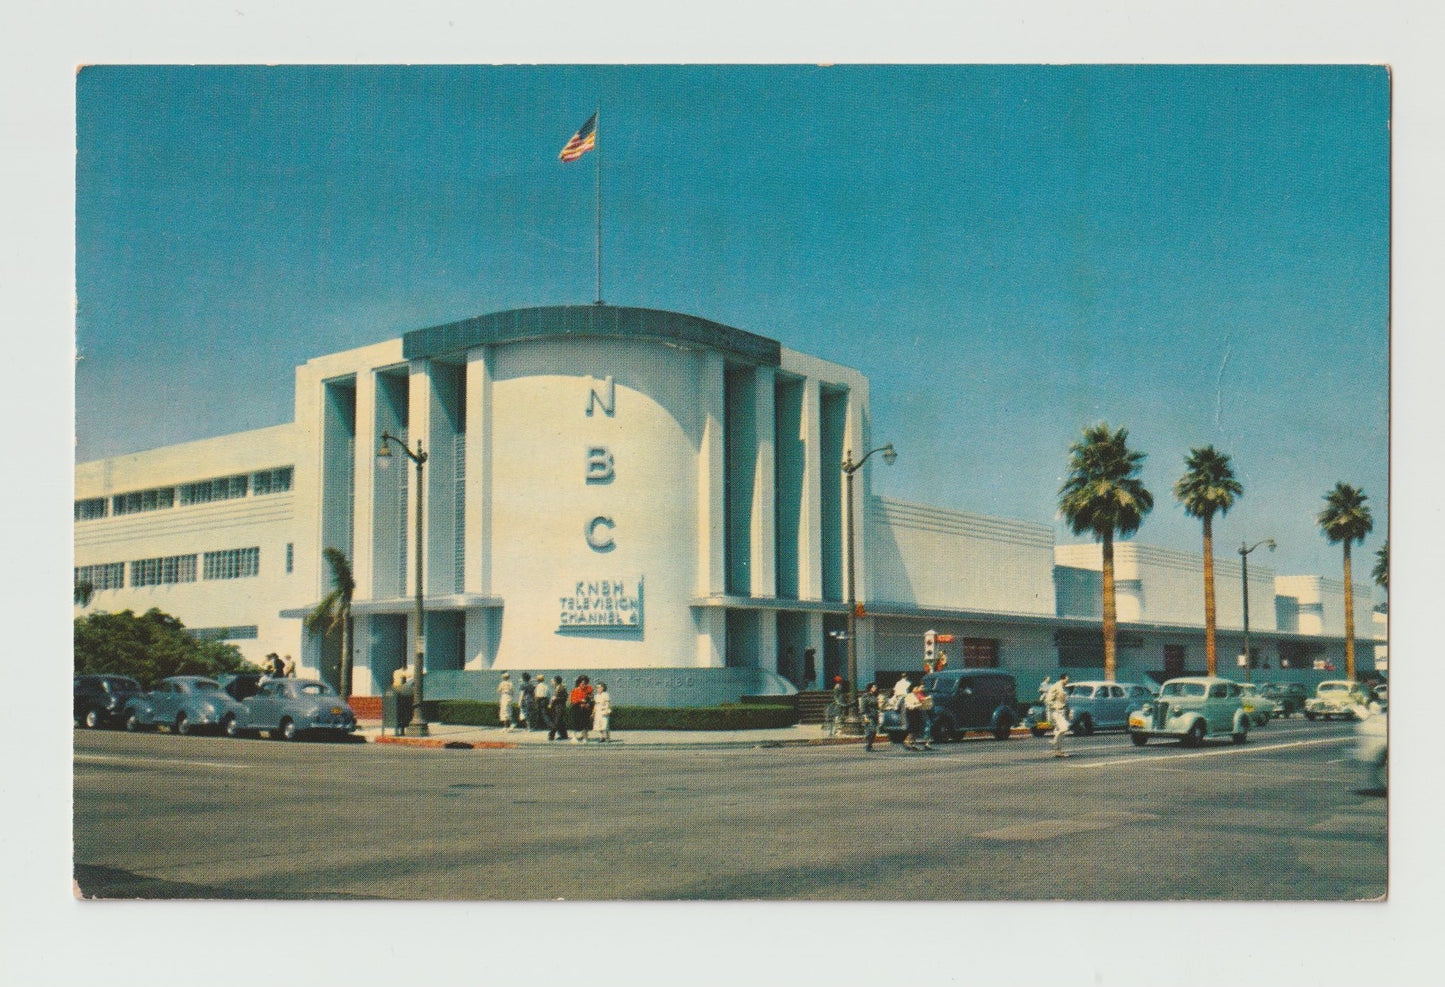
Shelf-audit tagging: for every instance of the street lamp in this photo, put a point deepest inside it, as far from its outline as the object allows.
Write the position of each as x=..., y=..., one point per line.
x=1244, y=582
x=418, y=725
x=849, y=468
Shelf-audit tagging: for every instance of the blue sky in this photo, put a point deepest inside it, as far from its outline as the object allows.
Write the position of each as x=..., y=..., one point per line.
x=1010, y=253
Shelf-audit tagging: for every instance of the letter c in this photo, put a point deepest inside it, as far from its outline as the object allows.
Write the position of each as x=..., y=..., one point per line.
x=601, y=543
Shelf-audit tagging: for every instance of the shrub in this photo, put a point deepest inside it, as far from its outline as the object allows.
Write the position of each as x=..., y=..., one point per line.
x=750, y=716
x=148, y=648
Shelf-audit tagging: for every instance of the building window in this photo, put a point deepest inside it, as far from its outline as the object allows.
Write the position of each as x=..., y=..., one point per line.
x=232, y=563
x=91, y=509
x=223, y=488
x=108, y=575
x=980, y=652
x=1299, y=654
x=248, y=632
x=1080, y=648
x=138, y=501
x=290, y=555
x=273, y=481
x=160, y=572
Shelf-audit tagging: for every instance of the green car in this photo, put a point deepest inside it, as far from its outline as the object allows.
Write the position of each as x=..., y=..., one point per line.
x=1192, y=710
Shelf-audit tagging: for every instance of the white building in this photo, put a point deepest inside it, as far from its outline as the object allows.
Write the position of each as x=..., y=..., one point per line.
x=643, y=494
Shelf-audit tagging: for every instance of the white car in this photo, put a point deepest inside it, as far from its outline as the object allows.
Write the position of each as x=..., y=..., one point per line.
x=1191, y=710
x=1260, y=707
x=1337, y=697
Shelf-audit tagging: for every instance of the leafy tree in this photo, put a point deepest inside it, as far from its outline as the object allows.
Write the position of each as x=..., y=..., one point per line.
x=1103, y=495
x=333, y=613
x=1344, y=520
x=1208, y=487
x=1381, y=572
x=84, y=591
x=148, y=648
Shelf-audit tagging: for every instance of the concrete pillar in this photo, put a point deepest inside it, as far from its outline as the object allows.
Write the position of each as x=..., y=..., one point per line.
x=363, y=532
x=764, y=574
x=477, y=577
x=711, y=526
x=810, y=531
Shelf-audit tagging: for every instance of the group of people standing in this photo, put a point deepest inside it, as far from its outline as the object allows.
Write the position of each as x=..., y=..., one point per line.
x=573, y=714
x=916, y=703
x=276, y=667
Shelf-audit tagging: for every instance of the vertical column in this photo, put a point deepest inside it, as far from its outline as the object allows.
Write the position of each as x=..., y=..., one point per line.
x=810, y=523
x=815, y=641
x=478, y=517
x=711, y=637
x=764, y=573
x=419, y=436
x=711, y=520
x=768, y=640
x=363, y=538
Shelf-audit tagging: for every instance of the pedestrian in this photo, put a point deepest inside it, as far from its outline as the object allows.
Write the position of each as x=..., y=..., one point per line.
x=602, y=713
x=903, y=686
x=1044, y=690
x=913, y=716
x=288, y=667
x=504, y=700
x=1057, y=703
x=868, y=712
x=557, y=710
x=528, y=703
x=579, y=709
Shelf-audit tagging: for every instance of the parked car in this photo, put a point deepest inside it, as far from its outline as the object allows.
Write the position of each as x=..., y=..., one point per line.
x=1382, y=695
x=1289, y=697
x=1261, y=708
x=1372, y=747
x=100, y=699
x=185, y=704
x=1192, y=710
x=966, y=699
x=1337, y=697
x=287, y=708
x=1104, y=705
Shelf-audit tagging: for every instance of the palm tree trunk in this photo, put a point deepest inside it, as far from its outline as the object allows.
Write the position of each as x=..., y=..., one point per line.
x=1111, y=620
x=1211, y=656
x=1349, y=618
x=345, y=683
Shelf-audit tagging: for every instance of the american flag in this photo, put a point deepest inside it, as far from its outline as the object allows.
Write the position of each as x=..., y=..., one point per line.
x=583, y=141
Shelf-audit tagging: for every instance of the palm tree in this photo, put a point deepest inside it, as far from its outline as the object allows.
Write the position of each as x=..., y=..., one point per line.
x=1381, y=572
x=334, y=612
x=1346, y=519
x=1207, y=486
x=1103, y=495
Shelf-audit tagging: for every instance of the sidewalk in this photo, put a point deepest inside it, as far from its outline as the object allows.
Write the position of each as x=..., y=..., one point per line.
x=457, y=737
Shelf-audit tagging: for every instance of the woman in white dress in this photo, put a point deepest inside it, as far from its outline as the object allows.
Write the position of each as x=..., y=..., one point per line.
x=504, y=700
x=602, y=713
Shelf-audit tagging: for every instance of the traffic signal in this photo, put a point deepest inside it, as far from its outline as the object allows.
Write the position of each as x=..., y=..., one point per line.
x=930, y=639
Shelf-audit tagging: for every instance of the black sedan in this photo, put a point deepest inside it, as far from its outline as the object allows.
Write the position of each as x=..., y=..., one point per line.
x=100, y=699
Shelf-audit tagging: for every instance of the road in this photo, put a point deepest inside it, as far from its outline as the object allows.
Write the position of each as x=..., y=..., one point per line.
x=1283, y=817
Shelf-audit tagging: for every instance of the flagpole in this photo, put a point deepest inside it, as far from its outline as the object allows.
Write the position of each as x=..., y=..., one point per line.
x=596, y=130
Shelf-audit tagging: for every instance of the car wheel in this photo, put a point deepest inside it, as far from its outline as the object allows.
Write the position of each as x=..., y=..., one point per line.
x=229, y=728
x=1309, y=715
x=132, y=723
x=1085, y=725
x=943, y=731
x=1243, y=734
x=1140, y=739
x=1003, y=729
x=1037, y=730
x=1263, y=721
x=288, y=729
x=92, y=719
x=895, y=736
x=183, y=725
x=1195, y=736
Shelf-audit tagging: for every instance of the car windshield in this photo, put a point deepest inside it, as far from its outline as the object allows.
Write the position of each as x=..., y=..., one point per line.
x=1248, y=690
x=1182, y=689
x=1333, y=687
x=205, y=685
x=315, y=689
x=122, y=685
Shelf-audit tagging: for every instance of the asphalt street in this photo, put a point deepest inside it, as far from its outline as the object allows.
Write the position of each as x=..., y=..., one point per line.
x=1283, y=817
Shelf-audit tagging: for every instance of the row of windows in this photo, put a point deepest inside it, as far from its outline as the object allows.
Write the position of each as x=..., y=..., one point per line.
x=231, y=563
x=111, y=575
x=259, y=483
x=247, y=632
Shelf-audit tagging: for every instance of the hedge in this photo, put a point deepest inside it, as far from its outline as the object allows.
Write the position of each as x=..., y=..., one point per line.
x=468, y=712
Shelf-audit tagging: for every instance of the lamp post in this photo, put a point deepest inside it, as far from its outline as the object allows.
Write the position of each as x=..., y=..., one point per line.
x=418, y=725
x=1244, y=551
x=849, y=468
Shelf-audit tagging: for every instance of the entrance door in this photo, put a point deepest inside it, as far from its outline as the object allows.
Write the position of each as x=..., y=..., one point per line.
x=1173, y=660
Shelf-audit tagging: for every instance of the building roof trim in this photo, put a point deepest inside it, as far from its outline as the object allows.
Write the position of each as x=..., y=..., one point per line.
x=610, y=321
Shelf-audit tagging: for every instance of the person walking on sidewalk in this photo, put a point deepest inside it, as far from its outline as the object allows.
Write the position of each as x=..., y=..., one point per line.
x=504, y=700
x=557, y=710
x=528, y=704
x=868, y=712
x=579, y=706
x=539, y=700
x=1056, y=701
x=602, y=713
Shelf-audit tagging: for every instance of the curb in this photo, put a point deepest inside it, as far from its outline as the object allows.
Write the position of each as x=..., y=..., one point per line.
x=438, y=743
